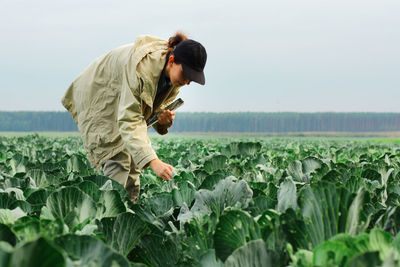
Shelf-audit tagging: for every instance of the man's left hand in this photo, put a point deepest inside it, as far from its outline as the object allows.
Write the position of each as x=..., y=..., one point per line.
x=166, y=117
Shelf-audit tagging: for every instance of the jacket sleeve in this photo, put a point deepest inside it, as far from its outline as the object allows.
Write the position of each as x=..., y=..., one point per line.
x=131, y=122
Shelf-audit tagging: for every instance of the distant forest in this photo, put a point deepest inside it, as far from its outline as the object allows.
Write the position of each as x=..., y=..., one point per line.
x=224, y=122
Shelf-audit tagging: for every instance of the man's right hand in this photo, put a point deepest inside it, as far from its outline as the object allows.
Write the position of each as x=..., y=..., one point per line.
x=161, y=169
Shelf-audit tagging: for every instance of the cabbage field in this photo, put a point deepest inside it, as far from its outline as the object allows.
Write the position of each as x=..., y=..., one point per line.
x=232, y=202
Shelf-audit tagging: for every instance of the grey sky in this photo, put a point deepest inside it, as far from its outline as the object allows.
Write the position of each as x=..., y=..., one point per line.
x=300, y=55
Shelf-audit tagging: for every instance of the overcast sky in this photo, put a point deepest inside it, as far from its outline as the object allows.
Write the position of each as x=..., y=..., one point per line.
x=281, y=55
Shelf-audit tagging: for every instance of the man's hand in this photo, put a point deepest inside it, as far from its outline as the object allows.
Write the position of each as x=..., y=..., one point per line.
x=161, y=169
x=166, y=117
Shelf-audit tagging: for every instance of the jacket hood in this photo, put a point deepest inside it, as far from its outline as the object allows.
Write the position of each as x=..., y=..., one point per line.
x=145, y=44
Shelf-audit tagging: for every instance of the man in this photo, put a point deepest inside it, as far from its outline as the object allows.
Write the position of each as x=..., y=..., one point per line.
x=111, y=100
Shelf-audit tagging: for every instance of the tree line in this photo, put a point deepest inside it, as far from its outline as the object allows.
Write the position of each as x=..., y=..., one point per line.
x=223, y=122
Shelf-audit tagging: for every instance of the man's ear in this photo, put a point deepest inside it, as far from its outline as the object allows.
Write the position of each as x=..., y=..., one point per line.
x=171, y=59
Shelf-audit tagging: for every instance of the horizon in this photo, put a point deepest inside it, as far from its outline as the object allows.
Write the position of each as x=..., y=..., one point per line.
x=221, y=112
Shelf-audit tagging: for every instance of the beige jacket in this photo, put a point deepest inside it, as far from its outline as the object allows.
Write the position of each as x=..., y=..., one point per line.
x=111, y=100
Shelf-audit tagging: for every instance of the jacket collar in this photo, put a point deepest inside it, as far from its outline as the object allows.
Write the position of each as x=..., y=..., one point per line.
x=143, y=46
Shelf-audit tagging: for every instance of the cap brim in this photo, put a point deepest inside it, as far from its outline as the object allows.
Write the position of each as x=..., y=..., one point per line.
x=193, y=75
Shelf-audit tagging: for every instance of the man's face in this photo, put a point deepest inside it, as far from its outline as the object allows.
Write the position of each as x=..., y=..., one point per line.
x=176, y=74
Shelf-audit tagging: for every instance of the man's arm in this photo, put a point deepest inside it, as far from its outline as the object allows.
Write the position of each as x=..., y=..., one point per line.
x=131, y=123
x=133, y=130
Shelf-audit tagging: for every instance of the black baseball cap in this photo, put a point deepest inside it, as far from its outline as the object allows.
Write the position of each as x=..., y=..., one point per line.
x=193, y=56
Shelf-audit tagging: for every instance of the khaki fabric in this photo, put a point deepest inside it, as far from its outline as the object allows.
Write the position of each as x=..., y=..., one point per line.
x=122, y=169
x=112, y=98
